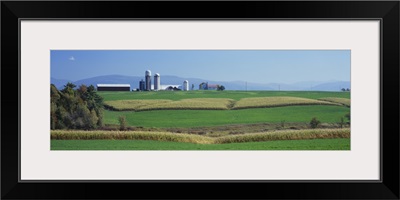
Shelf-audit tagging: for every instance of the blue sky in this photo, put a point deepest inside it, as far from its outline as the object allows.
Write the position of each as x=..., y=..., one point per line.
x=257, y=66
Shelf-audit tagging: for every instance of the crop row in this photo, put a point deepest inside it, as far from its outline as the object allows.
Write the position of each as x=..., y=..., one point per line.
x=125, y=105
x=342, y=101
x=266, y=102
x=285, y=135
x=195, y=104
x=214, y=103
x=128, y=135
x=197, y=139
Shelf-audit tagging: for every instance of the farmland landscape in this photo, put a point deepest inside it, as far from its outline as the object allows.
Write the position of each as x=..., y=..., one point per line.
x=200, y=100
x=221, y=120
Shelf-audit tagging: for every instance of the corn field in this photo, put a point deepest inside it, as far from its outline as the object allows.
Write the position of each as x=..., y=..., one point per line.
x=219, y=103
x=197, y=139
x=193, y=104
x=265, y=102
x=286, y=135
x=342, y=101
x=125, y=105
x=129, y=135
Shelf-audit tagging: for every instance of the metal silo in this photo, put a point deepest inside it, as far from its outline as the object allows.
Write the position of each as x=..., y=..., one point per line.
x=142, y=85
x=157, y=81
x=186, y=85
x=148, y=80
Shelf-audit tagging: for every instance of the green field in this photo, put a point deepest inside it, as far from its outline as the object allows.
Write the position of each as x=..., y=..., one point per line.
x=316, y=144
x=204, y=118
x=198, y=118
x=236, y=95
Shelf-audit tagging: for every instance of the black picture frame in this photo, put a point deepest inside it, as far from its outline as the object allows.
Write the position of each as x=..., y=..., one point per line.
x=386, y=11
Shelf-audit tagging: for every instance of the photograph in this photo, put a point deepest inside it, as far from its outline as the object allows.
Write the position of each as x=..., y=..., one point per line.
x=200, y=99
x=112, y=98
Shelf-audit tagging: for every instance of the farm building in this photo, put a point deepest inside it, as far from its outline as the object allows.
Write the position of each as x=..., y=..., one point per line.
x=141, y=85
x=206, y=86
x=113, y=87
x=203, y=86
x=157, y=83
x=172, y=88
x=186, y=85
x=148, y=80
x=168, y=87
x=212, y=86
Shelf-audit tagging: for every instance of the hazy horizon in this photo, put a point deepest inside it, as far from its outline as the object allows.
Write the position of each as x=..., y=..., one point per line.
x=255, y=66
x=322, y=81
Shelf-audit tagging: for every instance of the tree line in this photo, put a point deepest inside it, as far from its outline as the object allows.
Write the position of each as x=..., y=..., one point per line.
x=344, y=90
x=80, y=108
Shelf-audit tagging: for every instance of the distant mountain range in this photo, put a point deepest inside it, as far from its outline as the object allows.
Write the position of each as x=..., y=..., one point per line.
x=229, y=85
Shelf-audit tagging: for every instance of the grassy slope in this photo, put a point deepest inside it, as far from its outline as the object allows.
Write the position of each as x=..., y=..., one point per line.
x=317, y=144
x=196, y=118
x=236, y=95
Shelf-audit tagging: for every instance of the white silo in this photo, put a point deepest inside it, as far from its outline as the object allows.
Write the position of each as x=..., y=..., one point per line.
x=148, y=80
x=186, y=85
x=157, y=82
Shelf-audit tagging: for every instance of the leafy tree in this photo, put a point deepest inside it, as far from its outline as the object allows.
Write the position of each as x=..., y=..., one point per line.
x=54, y=93
x=54, y=97
x=283, y=123
x=93, y=119
x=343, y=89
x=53, y=115
x=314, y=122
x=100, y=116
x=82, y=92
x=348, y=116
x=69, y=89
x=341, y=122
x=61, y=114
x=220, y=88
x=82, y=118
x=122, y=123
x=75, y=109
